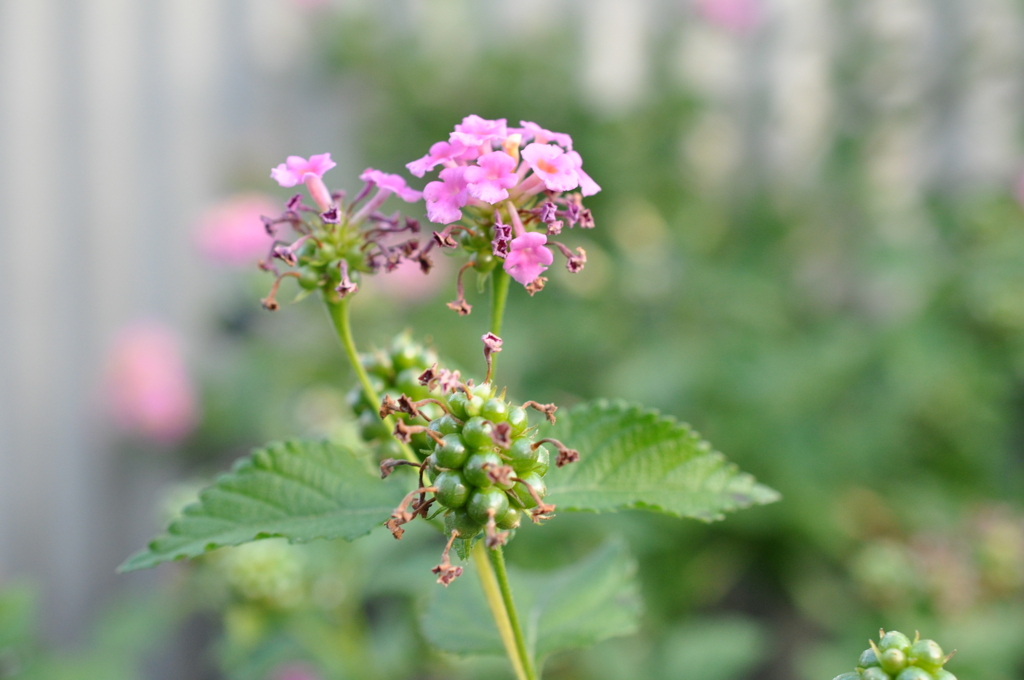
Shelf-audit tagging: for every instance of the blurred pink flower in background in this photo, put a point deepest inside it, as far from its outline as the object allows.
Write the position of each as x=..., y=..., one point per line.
x=738, y=16
x=408, y=284
x=295, y=672
x=232, y=233
x=149, y=391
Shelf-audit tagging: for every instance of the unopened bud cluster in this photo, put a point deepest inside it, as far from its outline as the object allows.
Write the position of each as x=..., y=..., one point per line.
x=394, y=372
x=896, y=657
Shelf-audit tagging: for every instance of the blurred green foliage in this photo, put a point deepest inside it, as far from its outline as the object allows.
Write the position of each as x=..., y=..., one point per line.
x=866, y=365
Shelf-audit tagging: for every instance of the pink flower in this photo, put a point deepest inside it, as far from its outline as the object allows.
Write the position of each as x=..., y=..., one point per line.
x=232, y=233
x=445, y=198
x=297, y=169
x=491, y=178
x=552, y=165
x=148, y=388
x=474, y=131
x=588, y=187
x=542, y=136
x=529, y=258
x=391, y=183
x=439, y=153
x=738, y=16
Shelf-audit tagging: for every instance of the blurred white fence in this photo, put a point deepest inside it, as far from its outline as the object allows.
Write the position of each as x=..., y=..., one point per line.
x=120, y=119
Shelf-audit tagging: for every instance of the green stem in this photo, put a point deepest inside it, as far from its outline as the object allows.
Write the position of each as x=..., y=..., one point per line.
x=499, y=293
x=492, y=593
x=498, y=560
x=339, y=317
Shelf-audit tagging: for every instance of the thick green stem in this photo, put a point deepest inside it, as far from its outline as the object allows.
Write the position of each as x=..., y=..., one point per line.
x=339, y=317
x=498, y=560
x=492, y=593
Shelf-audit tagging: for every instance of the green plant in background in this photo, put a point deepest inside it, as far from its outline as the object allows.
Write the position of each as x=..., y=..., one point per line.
x=483, y=465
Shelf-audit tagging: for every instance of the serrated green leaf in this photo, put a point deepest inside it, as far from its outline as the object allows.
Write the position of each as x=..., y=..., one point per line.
x=632, y=457
x=298, y=490
x=576, y=606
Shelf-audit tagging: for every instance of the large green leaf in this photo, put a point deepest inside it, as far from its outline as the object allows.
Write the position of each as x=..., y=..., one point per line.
x=572, y=607
x=297, y=490
x=632, y=457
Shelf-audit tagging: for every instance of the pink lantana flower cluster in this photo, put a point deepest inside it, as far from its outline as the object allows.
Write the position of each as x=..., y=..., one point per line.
x=327, y=247
x=502, y=194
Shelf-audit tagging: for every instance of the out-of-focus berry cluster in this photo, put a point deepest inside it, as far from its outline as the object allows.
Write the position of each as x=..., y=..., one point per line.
x=896, y=657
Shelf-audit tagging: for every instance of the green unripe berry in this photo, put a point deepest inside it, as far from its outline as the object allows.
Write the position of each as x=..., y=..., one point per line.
x=868, y=659
x=494, y=410
x=431, y=467
x=483, y=261
x=848, y=676
x=408, y=382
x=452, y=453
x=535, y=481
x=543, y=461
x=474, y=405
x=484, y=501
x=874, y=673
x=444, y=425
x=327, y=252
x=943, y=674
x=523, y=456
x=378, y=364
x=405, y=354
x=484, y=390
x=452, y=491
x=927, y=654
x=510, y=520
x=371, y=427
x=457, y=403
x=895, y=640
x=461, y=521
x=892, y=660
x=914, y=673
x=474, y=469
x=519, y=421
x=309, y=279
x=476, y=433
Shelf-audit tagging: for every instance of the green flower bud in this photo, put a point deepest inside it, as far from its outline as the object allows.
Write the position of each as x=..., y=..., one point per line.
x=943, y=674
x=543, y=461
x=452, y=490
x=309, y=279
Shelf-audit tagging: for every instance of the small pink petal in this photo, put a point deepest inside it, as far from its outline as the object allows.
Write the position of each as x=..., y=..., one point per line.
x=491, y=178
x=552, y=165
x=394, y=183
x=445, y=198
x=528, y=258
x=474, y=131
x=295, y=168
x=588, y=187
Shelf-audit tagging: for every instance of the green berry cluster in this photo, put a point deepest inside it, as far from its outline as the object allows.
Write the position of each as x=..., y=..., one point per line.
x=475, y=475
x=895, y=657
x=394, y=372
